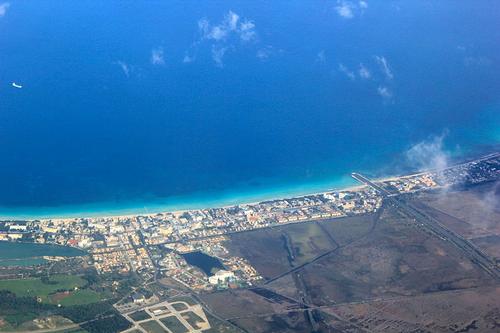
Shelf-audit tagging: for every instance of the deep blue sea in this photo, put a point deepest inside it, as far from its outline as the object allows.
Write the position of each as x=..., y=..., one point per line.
x=139, y=106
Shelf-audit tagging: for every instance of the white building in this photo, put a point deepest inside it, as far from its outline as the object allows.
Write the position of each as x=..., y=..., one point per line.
x=220, y=277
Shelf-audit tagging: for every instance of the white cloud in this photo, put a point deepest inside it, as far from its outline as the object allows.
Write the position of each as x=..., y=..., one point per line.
x=349, y=9
x=188, y=58
x=321, y=56
x=218, y=33
x=350, y=74
x=262, y=54
x=232, y=20
x=384, y=67
x=230, y=25
x=491, y=200
x=3, y=8
x=385, y=92
x=224, y=36
x=429, y=154
x=266, y=52
x=345, y=9
x=203, y=26
x=218, y=55
x=157, y=57
x=124, y=67
x=247, y=31
x=363, y=72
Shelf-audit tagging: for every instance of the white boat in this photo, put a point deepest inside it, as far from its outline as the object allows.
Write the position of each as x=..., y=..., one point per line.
x=15, y=85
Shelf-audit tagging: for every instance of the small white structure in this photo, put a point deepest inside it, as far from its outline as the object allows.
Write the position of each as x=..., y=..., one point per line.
x=221, y=277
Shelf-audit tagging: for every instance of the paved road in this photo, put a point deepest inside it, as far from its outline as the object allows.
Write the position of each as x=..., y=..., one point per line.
x=433, y=225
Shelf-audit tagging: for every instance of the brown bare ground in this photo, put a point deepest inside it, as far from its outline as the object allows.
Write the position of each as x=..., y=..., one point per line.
x=472, y=310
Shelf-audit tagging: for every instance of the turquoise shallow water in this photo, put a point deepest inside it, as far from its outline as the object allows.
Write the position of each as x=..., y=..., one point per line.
x=195, y=201
x=27, y=254
x=136, y=107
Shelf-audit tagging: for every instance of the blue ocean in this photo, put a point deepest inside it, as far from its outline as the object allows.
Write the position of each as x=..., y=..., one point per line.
x=110, y=107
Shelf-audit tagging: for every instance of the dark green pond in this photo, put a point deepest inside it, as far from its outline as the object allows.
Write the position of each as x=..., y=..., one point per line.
x=206, y=263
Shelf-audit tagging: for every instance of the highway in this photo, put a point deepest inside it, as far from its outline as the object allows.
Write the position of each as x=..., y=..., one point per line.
x=434, y=226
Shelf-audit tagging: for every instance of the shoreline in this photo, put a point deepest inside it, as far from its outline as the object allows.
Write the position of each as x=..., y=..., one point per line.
x=178, y=205
x=155, y=208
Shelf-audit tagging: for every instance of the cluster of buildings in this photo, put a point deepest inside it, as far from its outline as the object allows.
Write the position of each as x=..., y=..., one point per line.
x=477, y=171
x=411, y=183
x=474, y=172
x=176, y=268
x=238, y=271
x=181, y=226
x=153, y=244
x=127, y=243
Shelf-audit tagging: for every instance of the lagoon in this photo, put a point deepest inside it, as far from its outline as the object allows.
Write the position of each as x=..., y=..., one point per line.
x=28, y=254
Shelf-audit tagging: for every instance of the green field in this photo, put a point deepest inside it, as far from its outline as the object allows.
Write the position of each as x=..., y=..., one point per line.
x=35, y=287
x=152, y=327
x=179, y=306
x=193, y=319
x=139, y=315
x=174, y=324
x=184, y=298
x=50, y=291
x=79, y=297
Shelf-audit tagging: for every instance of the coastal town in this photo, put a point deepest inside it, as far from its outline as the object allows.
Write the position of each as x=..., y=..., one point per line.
x=175, y=271
x=155, y=245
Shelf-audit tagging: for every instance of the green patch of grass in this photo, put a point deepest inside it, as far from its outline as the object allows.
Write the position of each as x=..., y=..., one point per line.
x=17, y=319
x=185, y=298
x=79, y=297
x=115, y=323
x=179, y=306
x=17, y=310
x=152, y=327
x=139, y=315
x=174, y=324
x=35, y=287
x=50, y=291
x=193, y=319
